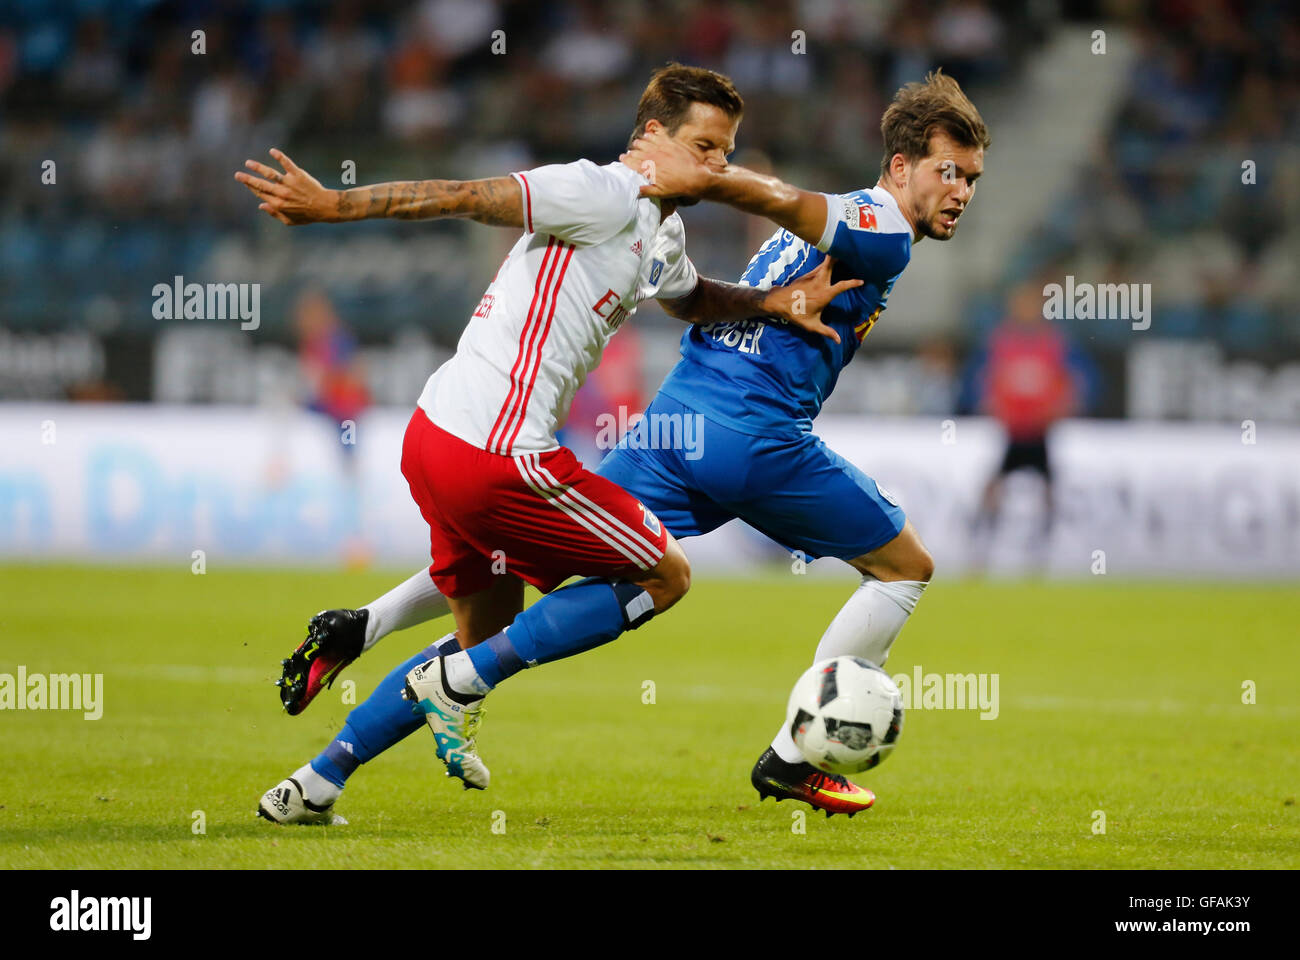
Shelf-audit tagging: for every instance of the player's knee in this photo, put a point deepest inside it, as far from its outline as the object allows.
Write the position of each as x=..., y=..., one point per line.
x=923, y=564
x=677, y=578
x=904, y=558
x=670, y=580
x=916, y=563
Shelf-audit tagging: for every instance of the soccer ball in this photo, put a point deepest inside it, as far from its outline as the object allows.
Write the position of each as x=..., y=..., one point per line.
x=845, y=714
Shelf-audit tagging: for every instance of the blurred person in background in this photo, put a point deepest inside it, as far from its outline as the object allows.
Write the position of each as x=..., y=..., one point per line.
x=335, y=386
x=1028, y=376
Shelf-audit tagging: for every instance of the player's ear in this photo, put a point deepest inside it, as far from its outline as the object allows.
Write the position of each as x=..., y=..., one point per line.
x=899, y=169
x=653, y=126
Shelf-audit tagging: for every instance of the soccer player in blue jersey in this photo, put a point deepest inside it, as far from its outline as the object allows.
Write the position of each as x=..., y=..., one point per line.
x=756, y=388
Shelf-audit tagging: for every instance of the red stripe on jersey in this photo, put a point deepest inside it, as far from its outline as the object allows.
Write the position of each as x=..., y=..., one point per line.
x=519, y=358
x=537, y=357
x=519, y=408
x=528, y=204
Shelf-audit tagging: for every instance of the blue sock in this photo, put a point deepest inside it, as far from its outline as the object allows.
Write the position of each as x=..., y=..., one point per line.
x=380, y=721
x=575, y=618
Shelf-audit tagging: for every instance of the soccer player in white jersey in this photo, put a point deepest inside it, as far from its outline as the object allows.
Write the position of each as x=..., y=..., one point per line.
x=480, y=454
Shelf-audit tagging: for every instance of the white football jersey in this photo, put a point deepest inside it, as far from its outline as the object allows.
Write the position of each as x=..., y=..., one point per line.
x=592, y=250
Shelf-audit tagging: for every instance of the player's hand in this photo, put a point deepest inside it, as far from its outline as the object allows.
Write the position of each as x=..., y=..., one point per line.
x=294, y=196
x=802, y=302
x=673, y=168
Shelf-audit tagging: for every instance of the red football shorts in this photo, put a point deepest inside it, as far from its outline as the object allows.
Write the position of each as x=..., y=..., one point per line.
x=539, y=516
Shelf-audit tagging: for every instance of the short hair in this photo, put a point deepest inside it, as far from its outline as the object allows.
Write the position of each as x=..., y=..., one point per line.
x=673, y=88
x=919, y=110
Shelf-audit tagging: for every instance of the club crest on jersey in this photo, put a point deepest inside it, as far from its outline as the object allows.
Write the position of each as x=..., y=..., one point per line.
x=656, y=269
x=649, y=519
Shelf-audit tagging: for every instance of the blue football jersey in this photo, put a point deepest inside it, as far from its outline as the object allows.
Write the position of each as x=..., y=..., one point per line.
x=771, y=379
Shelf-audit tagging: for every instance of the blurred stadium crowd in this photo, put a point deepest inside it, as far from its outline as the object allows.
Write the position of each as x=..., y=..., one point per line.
x=1166, y=195
x=147, y=133
x=421, y=77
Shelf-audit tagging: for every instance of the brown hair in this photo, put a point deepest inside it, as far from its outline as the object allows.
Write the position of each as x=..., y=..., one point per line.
x=920, y=110
x=672, y=89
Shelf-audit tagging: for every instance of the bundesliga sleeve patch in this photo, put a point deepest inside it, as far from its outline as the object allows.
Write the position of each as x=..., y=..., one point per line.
x=859, y=216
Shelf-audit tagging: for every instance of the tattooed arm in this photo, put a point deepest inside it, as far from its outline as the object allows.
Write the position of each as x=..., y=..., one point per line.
x=715, y=300
x=296, y=197
x=497, y=202
x=799, y=303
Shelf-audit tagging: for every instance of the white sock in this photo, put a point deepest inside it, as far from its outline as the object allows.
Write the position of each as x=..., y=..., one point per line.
x=462, y=677
x=407, y=604
x=315, y=787
x=871, y=620
x=866, y=627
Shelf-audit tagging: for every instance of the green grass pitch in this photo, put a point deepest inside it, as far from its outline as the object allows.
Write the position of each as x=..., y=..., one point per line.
x=1118, y=697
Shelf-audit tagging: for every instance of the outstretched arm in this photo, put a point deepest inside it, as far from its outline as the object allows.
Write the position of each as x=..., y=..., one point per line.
x=296, y=197
x=674, y=170
x=799, y=303
x=714, y=300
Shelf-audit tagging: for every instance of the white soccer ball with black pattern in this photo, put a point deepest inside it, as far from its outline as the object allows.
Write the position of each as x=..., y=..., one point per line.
x=845, y=714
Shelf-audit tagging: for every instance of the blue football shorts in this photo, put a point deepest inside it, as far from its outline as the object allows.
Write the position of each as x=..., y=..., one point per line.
x=696, y=474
